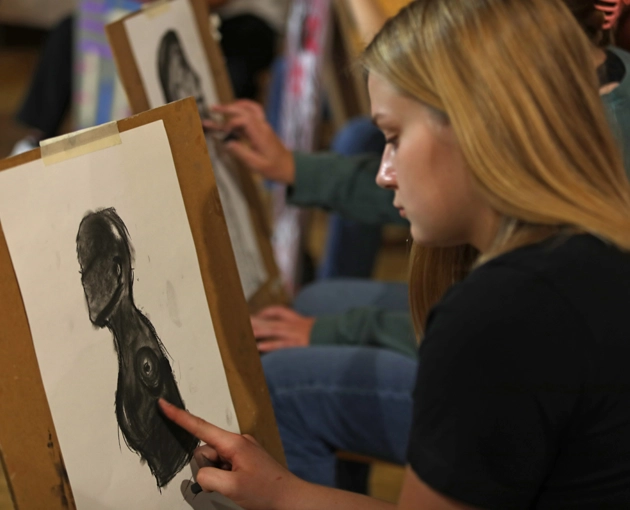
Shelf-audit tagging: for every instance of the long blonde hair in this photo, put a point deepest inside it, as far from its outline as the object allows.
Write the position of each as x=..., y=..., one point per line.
x=517, y=82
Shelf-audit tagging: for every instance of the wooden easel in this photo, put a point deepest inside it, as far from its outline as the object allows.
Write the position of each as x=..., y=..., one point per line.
x=355, y=22
x=272, y=291
x=29, y=448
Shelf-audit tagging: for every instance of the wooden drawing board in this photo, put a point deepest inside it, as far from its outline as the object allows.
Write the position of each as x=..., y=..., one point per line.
x=345, y=82
x=272, y=291
x=29, y=448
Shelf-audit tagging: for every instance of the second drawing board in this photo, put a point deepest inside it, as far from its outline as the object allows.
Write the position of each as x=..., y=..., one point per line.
x=164, y=53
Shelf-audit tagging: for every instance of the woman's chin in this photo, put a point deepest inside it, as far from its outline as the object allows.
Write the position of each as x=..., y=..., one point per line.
x=423, y=238
x=428, y=239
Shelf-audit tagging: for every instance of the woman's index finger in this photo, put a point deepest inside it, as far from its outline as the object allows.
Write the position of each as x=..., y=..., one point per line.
x=201, y=429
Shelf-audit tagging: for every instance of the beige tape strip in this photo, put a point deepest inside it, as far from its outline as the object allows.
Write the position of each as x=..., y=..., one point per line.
x=156, y=8
x=73, y=145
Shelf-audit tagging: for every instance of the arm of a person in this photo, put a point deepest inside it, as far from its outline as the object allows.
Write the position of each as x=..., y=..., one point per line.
x=415, y=495
x=345, y=185
x=369, y=326
x=238, y=468
x=279, y=327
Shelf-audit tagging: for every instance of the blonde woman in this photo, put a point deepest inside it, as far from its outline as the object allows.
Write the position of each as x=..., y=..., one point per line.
x=355, y=397
x=500, y=156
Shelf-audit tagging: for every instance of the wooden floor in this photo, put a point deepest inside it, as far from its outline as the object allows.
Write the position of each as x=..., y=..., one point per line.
x=17, y=64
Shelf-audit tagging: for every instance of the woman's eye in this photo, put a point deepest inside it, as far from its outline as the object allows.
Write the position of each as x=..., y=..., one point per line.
x=392, y=141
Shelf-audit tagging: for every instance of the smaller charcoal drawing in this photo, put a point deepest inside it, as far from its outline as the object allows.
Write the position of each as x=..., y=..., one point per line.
x=105, y=255
x=178, y=79
x=177, y=76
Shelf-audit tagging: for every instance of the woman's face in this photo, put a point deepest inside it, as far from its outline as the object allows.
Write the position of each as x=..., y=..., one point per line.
x=424, y=165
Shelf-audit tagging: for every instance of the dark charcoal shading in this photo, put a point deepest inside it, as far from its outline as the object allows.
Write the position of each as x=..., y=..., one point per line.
x=177, y=77
x=144, y=372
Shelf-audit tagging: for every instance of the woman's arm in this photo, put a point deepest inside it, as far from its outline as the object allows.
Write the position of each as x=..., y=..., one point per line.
x=415, y=495
x=238, y=468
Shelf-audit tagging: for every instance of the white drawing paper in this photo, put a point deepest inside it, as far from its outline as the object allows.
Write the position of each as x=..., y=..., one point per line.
x=173, y=64
x=49, y=216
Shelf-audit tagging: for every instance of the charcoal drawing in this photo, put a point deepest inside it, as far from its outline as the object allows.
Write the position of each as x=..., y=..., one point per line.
x=177, y=77
x=105, y=255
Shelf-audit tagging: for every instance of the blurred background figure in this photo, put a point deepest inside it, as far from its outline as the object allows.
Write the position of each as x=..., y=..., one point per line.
x=250, y=31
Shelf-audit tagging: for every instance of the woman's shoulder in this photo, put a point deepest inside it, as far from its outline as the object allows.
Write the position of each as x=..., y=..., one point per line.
x=577, y=278
x=565, y=262
x=563, y=252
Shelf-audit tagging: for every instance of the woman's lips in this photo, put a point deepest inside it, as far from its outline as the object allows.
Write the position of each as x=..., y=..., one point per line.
x=401, y=211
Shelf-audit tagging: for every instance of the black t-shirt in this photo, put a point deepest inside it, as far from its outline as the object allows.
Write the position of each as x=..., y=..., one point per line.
x=523, y=391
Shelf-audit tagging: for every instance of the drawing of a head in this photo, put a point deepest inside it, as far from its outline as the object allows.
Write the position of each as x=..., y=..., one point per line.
x=105, y=257
x=178, y=79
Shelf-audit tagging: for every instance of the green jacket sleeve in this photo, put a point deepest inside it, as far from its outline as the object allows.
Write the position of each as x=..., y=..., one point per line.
x=345, y=185
x=370, y=326
x=617, y=105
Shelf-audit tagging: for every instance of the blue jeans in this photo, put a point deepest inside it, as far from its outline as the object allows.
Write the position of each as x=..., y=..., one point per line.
x=326, y=399
x=356, y=399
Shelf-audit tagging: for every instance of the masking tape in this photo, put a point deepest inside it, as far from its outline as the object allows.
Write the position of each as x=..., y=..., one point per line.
x=73, y=145
x=157, y=8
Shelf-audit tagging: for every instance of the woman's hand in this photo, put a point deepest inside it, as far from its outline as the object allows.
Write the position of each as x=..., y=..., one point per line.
x=251, y=139
x=279, y=327
x=236, y=466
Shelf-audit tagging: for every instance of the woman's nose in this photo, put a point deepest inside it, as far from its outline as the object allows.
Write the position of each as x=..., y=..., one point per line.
x=386, y=177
